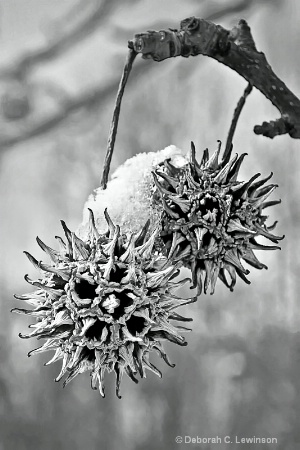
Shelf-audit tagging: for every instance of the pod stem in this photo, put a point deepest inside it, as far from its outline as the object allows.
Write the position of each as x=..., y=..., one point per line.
x=115, y=119
x=235, y=119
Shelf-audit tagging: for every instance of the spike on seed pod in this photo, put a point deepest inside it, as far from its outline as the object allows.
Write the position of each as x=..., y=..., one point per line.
x=210, y=220
x=105, y=304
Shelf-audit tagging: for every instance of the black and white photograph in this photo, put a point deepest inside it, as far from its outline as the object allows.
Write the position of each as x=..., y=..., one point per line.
x=149, y=225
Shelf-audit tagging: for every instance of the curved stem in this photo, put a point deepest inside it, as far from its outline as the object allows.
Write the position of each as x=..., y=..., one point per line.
x=115, y=119
x=235, y=119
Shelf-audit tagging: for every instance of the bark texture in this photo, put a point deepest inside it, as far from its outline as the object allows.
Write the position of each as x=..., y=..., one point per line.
x=237, y=50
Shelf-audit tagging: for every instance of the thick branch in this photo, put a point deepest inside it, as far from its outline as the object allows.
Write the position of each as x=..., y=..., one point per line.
x=236, y=49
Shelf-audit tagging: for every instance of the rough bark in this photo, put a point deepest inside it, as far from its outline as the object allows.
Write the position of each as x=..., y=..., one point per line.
x=236, y=49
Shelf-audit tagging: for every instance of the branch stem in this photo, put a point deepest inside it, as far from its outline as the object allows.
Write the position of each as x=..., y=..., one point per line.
x=235, y=119
x=115, y=119
x=236, y=49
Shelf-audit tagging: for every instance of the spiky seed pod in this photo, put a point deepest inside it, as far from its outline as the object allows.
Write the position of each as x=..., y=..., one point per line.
x=105, y=304
x=210, y=221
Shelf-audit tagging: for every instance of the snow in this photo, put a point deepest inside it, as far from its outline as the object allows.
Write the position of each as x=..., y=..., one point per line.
x=128, y=194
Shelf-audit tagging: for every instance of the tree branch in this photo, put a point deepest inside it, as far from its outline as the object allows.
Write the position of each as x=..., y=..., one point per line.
x=38, y=124
x=236, y=49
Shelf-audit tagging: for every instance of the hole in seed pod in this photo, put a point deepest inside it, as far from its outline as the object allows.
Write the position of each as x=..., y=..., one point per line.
x=135, y=325
x=206, y=239
x=95, y=331
x=117, y=274
x=210, y=209
x=124, y=303
x=85, y=290
x=87, y=354
x=58, y=281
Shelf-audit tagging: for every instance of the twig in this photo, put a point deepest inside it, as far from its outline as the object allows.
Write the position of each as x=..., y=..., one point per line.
x=237, y=50
x=115, y=120
x=235, y=119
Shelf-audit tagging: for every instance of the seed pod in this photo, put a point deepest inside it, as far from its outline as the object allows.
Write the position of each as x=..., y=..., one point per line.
x=210, y=221
x=105, y=304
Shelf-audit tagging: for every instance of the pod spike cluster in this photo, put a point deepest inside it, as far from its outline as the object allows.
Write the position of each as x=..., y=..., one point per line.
x=104, y=305
x=210, y=220
x=107, y=302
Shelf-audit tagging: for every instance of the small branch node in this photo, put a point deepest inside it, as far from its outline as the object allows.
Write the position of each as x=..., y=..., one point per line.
x=273, y=128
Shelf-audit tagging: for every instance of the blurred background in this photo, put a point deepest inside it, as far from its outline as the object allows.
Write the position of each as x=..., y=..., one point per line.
x=60, y=65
